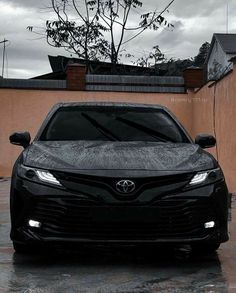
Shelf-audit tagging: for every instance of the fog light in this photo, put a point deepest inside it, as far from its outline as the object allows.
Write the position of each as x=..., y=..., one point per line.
x=34, y=224
x=209, y=225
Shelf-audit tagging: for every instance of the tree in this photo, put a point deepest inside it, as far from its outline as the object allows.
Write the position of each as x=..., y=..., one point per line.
x=116, y=18
x=83, y=36
x=152, y=58
x=171, y=67
x=175, y=67
x=100, y=29
x=200, y=59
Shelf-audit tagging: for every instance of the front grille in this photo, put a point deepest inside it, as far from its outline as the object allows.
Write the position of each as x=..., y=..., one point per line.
x=169, y=219
x=87, y=184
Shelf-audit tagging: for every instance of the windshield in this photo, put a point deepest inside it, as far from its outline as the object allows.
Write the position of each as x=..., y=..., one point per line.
x=113, y=124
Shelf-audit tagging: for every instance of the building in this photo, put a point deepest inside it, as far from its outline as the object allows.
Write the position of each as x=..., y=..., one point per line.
x=219, y=60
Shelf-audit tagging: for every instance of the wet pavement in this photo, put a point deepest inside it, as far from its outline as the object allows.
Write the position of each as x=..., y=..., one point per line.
x=101, y=269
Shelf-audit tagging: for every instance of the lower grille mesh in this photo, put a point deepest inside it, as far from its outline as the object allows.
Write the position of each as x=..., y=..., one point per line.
x=66, y=217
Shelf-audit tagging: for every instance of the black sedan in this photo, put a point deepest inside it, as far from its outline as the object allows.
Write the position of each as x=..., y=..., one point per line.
x=116, y=173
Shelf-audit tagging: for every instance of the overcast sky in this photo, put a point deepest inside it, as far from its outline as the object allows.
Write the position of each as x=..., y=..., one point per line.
x=195, y=22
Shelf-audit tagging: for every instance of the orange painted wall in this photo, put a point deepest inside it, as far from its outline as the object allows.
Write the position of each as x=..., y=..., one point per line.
x=218, y=103
x=26, y=109
x=226, y=126
x=202, y=111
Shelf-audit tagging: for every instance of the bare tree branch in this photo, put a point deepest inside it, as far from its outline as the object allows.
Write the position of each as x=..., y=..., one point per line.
x=99, y=28
x=140, y=32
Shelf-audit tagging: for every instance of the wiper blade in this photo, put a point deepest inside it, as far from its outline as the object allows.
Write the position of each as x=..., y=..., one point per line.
x=146, y=130
x=106, y=132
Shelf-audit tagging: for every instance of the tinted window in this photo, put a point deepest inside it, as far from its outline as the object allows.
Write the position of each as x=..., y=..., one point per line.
x=113, y=123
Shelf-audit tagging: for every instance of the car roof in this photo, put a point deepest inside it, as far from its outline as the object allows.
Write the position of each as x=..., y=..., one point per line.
x=109, y=104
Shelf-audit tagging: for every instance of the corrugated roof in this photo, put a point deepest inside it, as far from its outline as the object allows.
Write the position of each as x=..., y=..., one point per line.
x=227, y=42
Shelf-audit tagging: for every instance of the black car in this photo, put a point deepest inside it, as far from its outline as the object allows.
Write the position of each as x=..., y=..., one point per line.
x=116, y=173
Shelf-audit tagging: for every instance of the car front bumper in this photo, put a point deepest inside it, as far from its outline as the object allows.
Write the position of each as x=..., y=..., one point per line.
x=67, y=217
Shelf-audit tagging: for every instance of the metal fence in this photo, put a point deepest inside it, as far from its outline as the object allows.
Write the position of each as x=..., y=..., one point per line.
x=125, y=83
x=111, y=83
x=32, y=83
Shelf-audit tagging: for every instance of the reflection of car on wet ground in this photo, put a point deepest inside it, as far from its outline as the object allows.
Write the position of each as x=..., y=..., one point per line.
x=116, y=173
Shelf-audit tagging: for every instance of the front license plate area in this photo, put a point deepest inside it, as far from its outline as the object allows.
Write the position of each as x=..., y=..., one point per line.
x=125, y=214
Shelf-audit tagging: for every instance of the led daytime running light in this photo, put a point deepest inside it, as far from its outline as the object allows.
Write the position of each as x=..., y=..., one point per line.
x=199, y=178
x=47, y=177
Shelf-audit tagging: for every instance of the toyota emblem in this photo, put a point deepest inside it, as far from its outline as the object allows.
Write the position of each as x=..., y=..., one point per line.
x=125, y=186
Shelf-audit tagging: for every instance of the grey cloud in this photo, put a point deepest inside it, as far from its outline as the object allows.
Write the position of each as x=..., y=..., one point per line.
x=27, y=3
x=180, y=8
x=195, y=22
x=26, y=56
x=31, y=56
x=189, y=8
x=193, y=8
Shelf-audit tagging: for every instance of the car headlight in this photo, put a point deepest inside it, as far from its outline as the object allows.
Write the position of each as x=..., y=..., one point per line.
x=37, y=175
x=206, y=177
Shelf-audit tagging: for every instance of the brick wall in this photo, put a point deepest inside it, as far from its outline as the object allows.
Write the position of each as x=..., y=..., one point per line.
x=76, y=77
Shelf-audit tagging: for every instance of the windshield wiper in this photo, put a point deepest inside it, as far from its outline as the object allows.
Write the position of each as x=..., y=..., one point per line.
x=146, y=130
x=103, y=130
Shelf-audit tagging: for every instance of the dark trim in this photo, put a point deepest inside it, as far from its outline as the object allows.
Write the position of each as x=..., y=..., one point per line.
x=148, y=93
x=32, y=89
x=135, y=84
x=202, y=86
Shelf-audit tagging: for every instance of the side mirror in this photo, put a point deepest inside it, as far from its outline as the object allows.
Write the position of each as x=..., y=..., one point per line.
x=20, y=138
x=205, y=141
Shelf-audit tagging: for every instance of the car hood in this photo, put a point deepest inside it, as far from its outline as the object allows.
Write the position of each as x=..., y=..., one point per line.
x=117, y=158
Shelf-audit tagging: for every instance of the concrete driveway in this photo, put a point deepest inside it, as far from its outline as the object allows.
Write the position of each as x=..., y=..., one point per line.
x=102, y=269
